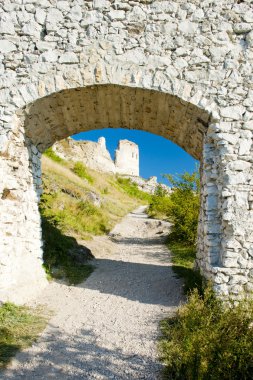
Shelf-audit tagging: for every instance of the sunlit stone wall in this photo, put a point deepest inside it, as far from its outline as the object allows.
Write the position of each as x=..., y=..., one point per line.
x=179, y=69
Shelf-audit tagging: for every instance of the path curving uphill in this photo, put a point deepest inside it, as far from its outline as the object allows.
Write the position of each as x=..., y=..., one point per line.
x=107, y=327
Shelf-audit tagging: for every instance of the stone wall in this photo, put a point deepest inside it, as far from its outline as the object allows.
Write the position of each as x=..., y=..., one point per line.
x=97, y=157
x=93, y=154
x=127, y=158
x=182, y=70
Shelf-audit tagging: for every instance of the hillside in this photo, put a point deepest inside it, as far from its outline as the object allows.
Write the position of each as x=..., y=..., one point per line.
x=77, y=204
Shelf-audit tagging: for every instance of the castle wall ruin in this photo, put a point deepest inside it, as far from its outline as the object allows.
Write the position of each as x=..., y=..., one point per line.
x=182, y=70
x=96, y=156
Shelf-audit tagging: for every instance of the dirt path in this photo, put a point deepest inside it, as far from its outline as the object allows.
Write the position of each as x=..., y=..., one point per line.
x=107, y=327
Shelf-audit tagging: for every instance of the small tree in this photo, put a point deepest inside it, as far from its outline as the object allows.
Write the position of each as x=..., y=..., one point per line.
x=183, y=208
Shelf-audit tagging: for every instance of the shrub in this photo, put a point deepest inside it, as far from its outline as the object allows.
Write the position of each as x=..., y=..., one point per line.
x=183, y=210
x=180, y=207
x=207, y=340
x=160, y=203
x=80, y=170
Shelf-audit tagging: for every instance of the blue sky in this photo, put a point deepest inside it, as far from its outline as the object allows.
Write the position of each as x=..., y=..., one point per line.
x=158, y=155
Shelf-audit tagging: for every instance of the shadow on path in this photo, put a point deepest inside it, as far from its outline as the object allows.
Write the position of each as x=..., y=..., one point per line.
x=145, y=283
x=81, y=357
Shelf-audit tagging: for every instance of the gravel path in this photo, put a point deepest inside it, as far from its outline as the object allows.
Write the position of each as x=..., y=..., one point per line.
x=107, y=327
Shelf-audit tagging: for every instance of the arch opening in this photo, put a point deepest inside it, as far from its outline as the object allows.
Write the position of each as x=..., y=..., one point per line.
x=68, y=112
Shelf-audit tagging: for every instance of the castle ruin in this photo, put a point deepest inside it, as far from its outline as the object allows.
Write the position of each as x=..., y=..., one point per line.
x=96, y=156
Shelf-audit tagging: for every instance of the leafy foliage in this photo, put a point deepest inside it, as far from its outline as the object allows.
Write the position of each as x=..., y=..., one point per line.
x=160, y=204
x=207, y=340
x=80, y=170
x=184, y=208
x=181, y=207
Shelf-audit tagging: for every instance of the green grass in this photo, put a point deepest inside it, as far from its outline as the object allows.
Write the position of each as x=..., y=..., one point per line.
x=183, y=258
x=72, y=214
x=58, y=261
x=132, y=190
x=208, y=340
x=69, y=216
x=19, y=328
x=53, y=156
x=80, y=170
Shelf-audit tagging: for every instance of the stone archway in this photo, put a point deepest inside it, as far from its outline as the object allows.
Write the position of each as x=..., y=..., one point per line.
x=177, y=63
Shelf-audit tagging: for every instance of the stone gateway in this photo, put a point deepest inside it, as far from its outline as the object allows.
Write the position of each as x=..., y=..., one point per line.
x=182, y=70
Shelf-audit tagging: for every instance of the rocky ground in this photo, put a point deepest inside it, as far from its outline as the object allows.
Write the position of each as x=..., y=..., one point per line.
x=108, y=326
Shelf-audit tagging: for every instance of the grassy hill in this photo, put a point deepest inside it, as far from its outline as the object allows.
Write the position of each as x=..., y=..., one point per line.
x=78, y=203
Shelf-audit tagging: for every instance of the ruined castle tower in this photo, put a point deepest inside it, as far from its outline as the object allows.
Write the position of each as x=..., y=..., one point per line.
x=127, y=158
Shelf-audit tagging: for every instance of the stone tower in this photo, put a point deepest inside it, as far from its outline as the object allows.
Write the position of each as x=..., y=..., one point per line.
x=127, y=158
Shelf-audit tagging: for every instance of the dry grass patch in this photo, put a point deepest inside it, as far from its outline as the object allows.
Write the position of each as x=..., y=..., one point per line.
x=20, y=326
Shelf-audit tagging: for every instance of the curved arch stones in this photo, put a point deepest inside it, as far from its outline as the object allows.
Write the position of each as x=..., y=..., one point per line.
x=179, y=69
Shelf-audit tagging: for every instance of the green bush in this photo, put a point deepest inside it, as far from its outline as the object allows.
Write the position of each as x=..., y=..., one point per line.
x=51, y=154
x=183, y=210
x=207, y=340
x=180, y=207
x=160, y=203
x=80, y=170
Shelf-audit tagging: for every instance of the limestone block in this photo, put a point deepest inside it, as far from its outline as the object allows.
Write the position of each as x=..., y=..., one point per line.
x=75, y=13
x=221, y=278
x=40, y=16
x=6, y=24
x=117, y=15
x=45, y=45
x=63, y=5
x=221, y=289
x=233, y=112
x=68, y=57
x=242, y=28
x=91, y=18
x=230, y=263
x=239, y=165
x=32, y=28
x=249, y=38
x=54, y=16
x=187, y=27
x=49, y=56
x=245, y=146
x=100, y=4
x=7, y=46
